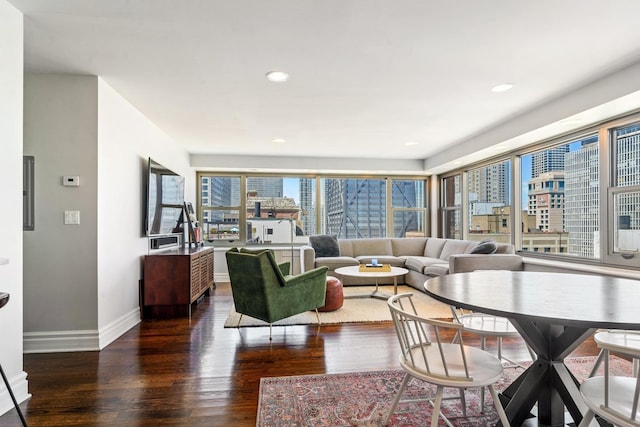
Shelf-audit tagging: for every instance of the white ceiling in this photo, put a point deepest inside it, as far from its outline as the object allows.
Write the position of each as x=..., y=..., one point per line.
x=366, y=76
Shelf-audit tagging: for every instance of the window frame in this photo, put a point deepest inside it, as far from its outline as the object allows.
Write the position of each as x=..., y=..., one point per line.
x=318, y=198
x=605, y=131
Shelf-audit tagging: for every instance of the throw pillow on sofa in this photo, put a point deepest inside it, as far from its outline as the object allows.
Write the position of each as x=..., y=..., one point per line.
x=325, y=246
x=485, y=247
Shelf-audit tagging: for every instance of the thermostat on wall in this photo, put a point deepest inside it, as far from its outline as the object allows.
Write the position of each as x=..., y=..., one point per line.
x=71, y=181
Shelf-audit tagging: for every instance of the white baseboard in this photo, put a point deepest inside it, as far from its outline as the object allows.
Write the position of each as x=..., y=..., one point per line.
x=79, y=340
x=222, y=278
x=20, y=388
x=117, y=328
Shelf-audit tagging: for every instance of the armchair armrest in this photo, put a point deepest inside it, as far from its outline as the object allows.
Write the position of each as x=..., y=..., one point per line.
x=285, y=268
x=317, y=274
x=464, y=263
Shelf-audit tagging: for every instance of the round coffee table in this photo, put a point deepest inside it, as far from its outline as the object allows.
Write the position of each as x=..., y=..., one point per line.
x=354, y=271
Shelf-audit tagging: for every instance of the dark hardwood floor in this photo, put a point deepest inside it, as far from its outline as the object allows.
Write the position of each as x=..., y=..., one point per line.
x=192, y=371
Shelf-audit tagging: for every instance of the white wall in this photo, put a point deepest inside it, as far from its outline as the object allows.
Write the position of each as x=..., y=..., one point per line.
x=11, y=60
x=82, y=281
x=126, y=139
x=60, y=260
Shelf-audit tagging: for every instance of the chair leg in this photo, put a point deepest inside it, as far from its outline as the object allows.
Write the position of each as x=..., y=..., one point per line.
x=403, y=385
x=436, y=407
x=483, y=345
x=239, y=320
x=463, y=402
x=15, y=402
x=270, y=331
x=498, y=405
x=531, y=353
x=597, y=363
x=318, y=317
x=586, y=420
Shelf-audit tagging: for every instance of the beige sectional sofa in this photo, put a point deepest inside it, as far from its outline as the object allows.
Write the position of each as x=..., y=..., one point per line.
x=423, y=257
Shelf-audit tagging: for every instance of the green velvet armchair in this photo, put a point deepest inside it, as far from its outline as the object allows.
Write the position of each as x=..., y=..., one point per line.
x=265, y=290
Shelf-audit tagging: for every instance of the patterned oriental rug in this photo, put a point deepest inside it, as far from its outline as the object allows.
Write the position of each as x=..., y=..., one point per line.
x=364, y=398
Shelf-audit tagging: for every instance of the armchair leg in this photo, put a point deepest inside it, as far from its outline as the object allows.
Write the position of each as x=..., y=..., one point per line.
x=318, y=317
x=239, y=320
x=270, y=330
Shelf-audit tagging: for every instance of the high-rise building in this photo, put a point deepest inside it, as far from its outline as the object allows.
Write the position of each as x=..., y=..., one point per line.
x=307, y=206
x=582, y=199
x=216, y=191
x=548, y=160
x=546, y=200
x=490, y=184
x=266, y=186
x=488, y=188
x=355, y=208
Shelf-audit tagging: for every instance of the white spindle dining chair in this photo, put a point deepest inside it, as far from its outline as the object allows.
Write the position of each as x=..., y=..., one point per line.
x=613, y=398
x=426, y=357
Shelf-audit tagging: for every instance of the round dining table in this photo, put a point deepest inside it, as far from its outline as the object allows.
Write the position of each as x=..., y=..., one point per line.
x=554, y=313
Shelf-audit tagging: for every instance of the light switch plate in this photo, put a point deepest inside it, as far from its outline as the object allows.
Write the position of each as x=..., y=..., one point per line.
x=71, y=217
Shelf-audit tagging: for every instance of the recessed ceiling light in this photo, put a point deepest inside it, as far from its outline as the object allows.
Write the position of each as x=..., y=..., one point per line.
x=501, y=88
x=277, y=76
x=410, y=143
x=279, y=140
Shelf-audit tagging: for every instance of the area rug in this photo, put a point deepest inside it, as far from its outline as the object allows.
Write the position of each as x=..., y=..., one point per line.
x=354, y=310
x=364, y=398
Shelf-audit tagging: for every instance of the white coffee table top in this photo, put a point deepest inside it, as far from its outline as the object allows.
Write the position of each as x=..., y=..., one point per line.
x=354, y=271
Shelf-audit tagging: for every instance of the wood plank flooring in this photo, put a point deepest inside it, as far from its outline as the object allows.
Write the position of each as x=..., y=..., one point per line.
x=192, y=371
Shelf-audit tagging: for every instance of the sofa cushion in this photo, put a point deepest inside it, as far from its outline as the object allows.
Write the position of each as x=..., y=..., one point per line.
x=420, y=263
x=433, y=247
x=484, y=247
x=346, y=248
x=505, y=248
x=336, y=262
x=437, y=270
x=371, y=247
x=408, y=246
x=325, y=245
x=453, y=246
x=462, y=263
x=394, y=261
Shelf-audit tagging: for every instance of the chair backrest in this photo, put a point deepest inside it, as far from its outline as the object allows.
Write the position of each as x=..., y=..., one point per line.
x=251, y=275
x=625, y=343
x=421, y=342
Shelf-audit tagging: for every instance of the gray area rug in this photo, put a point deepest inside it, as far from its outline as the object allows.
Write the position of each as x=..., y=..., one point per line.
x=354, y=310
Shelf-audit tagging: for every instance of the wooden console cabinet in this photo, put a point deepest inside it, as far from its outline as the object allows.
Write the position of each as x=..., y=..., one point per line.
x=174, y=279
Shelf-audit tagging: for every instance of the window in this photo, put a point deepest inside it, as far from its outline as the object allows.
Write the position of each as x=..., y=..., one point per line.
x=284, y=209
x=220, y=207
x=354, y=208
x=451, y=202
x=489, y=202
x=624, y=194
x=408, y=207
x=561, y=191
